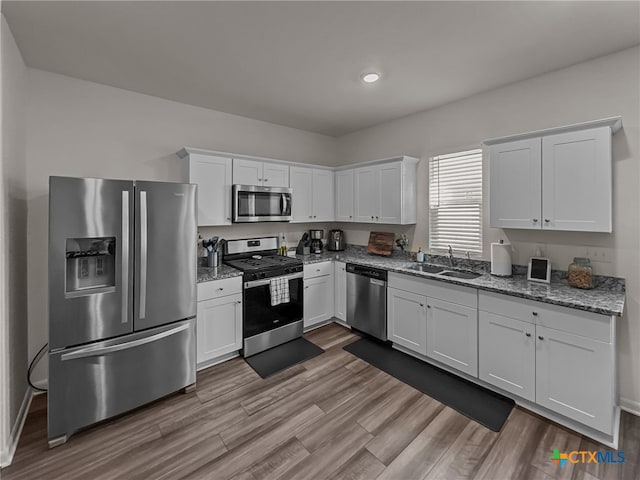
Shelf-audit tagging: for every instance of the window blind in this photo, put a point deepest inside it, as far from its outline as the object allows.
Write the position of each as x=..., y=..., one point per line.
x=455, y=202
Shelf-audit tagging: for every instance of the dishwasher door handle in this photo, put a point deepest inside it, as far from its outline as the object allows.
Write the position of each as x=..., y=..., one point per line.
x=380, y=283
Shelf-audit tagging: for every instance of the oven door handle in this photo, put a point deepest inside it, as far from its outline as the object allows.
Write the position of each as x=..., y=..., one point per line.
x=267, y=281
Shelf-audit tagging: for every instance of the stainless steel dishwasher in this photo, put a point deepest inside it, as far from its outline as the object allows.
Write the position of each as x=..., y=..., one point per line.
x=367, y=300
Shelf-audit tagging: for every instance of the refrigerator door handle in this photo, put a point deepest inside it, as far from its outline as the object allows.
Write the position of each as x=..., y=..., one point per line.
x=99, y=351
x=125, y=257
x=143, y=255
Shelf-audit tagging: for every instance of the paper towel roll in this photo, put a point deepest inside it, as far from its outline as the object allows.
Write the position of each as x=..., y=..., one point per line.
x=501, y=259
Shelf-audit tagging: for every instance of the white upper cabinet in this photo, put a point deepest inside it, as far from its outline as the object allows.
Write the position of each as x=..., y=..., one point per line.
x=323, y=195
x=390, y=193
x=263, y=174
x=515, y=184
x=576, y=181
x=385, y=192
x=344, y=196
x=557, y=179
x=302, y=196
x=212, y=174
x=313, y=194
x=366, y=189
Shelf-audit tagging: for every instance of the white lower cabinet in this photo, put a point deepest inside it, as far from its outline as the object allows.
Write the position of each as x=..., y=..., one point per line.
x=559, y=359
x=340, y=291
x=434, y=319
x=574, y=377
x=219, y=320
x=568, y=369
x=407, y=319
x=318, y=293
x=452, y=335
x=507, y=354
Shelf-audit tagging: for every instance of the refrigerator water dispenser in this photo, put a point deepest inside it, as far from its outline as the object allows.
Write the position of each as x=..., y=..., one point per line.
x=90, y=265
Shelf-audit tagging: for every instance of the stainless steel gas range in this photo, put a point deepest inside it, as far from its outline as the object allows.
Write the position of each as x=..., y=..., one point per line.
x=273, y=293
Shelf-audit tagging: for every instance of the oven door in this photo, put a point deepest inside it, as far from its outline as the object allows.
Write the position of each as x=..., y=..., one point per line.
x=261, y=316
x=261, y=204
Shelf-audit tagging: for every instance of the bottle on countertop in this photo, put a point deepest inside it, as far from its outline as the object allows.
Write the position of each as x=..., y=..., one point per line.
x=282, y=250
x=420, y=255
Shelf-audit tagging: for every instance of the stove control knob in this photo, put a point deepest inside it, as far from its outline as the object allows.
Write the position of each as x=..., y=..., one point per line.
x=263, y=275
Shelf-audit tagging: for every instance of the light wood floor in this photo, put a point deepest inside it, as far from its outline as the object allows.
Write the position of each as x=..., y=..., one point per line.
x=332, y=417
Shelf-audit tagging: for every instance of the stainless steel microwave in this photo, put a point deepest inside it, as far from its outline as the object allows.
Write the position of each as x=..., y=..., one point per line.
x=261, y=204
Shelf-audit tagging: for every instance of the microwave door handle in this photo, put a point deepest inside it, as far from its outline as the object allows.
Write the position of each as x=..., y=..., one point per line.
x=252, y=204
x=284, y=203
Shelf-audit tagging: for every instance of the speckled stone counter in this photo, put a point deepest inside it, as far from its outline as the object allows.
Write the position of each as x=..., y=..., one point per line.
x=208, y=274
x=607, y=298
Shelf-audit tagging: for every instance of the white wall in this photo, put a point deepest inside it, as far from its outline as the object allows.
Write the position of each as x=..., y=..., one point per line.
x=13, y=232
x=604, y=87
x=83, y=129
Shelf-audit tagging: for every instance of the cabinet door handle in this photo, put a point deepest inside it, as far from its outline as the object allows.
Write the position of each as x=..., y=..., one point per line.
x=310, y=216
x=535, y=220
x=266, y=180
x=546, y=220
x=314, y=216
x=535, y=314
x=527, y=334
x=540, y=337
x=220, y=289
x=229, y=219
x=350, y=216
x=371, y=217
x=377, y=217
x=306, y=287
x=259, y=179
x=428, y=306
x=238, y=301
x=422, y=304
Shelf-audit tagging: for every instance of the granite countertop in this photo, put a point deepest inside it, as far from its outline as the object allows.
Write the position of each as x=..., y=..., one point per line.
x=208, y=274
x=607, y=298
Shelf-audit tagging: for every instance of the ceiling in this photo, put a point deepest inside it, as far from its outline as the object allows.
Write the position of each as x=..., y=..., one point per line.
x=299, y=63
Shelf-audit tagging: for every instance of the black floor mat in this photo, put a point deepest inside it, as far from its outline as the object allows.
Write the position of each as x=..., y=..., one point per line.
x=480, y=404
x=283, y=356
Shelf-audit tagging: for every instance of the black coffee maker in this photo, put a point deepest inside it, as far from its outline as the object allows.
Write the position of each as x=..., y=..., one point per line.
x=316, y=240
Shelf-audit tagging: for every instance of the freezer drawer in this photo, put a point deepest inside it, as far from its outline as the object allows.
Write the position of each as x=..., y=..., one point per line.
x=97, y=381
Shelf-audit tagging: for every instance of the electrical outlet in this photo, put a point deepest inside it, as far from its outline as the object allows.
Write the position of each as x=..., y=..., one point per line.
x=600, y=255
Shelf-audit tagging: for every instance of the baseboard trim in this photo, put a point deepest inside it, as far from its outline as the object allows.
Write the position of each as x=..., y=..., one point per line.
x=630, y=406
x=12, y=444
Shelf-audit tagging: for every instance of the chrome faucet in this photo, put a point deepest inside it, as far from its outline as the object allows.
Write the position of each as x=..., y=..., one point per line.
x=450, y=256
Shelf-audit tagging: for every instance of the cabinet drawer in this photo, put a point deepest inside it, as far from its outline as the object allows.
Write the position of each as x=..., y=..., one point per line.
x=578, y=322
x=219, y=288
x=448, y=292
x=318, y=269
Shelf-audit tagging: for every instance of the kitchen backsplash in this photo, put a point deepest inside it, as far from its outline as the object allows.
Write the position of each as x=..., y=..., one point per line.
x=558, y=249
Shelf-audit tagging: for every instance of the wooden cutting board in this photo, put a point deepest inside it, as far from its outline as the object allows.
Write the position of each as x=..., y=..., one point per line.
x=381, y=243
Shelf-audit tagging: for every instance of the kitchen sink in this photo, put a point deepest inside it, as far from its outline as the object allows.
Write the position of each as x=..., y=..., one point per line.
x=419, y=267
x=463, y=275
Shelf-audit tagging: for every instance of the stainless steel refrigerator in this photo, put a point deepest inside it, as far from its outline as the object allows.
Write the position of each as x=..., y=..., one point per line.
x=122, y=297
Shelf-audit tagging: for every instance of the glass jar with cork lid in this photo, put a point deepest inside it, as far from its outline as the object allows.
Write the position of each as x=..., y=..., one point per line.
x=580, y=273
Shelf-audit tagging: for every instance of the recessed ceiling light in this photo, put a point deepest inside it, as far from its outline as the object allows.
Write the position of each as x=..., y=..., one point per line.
x=370, y=77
